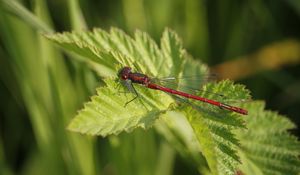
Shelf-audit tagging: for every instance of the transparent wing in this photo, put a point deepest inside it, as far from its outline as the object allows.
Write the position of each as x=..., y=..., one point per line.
x=187, y=83
x=194, y=85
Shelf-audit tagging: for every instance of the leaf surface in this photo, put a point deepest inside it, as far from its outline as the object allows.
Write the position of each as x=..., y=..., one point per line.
x=211, y=128
x=267, y=147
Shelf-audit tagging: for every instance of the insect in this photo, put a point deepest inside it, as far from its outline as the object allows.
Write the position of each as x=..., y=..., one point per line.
x=135, y=77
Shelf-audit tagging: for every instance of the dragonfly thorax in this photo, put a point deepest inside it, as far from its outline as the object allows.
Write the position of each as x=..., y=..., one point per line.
x=126, y=74
x=139, y=78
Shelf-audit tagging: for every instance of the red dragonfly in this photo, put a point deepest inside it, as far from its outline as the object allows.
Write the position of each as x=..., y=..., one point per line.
x=139, y=78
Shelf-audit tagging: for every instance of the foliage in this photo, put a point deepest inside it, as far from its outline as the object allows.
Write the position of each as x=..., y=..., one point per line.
x=105, y=114
x=41, y=91
x=267, y=147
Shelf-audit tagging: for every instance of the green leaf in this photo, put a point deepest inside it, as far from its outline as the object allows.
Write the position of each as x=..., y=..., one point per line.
x=176, y=129
x=214, y=127
x=267, y=148
x=105, y=114
x=142, y=53
x=111, y=51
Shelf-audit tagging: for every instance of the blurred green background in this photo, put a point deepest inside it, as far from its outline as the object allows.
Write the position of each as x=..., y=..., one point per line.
x=254, y=42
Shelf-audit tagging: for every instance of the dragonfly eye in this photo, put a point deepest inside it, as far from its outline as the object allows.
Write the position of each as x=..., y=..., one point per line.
x=124, y=77
x=124, y=73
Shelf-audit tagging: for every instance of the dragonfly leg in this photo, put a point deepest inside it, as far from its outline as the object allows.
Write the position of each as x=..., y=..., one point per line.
x=136, y=95
x=131, y=100
x=134, y=91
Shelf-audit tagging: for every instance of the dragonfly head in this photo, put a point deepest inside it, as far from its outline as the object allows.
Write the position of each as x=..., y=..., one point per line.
x=124, y=73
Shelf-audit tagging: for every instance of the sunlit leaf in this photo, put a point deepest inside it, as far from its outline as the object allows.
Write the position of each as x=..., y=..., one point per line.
x=211, y=128
x=267, y=147
x=106, y=114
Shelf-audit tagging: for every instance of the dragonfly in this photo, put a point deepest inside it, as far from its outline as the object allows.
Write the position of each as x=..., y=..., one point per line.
x=130, y=77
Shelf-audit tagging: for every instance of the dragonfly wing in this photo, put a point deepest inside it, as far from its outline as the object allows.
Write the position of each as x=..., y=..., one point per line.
x=195, y=89
x=128, y=84
x=193, y=82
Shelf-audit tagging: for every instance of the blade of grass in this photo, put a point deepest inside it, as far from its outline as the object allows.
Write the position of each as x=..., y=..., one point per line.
x=76, y=17
x=15, y=8
x=166, y=160
x=43, y=102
